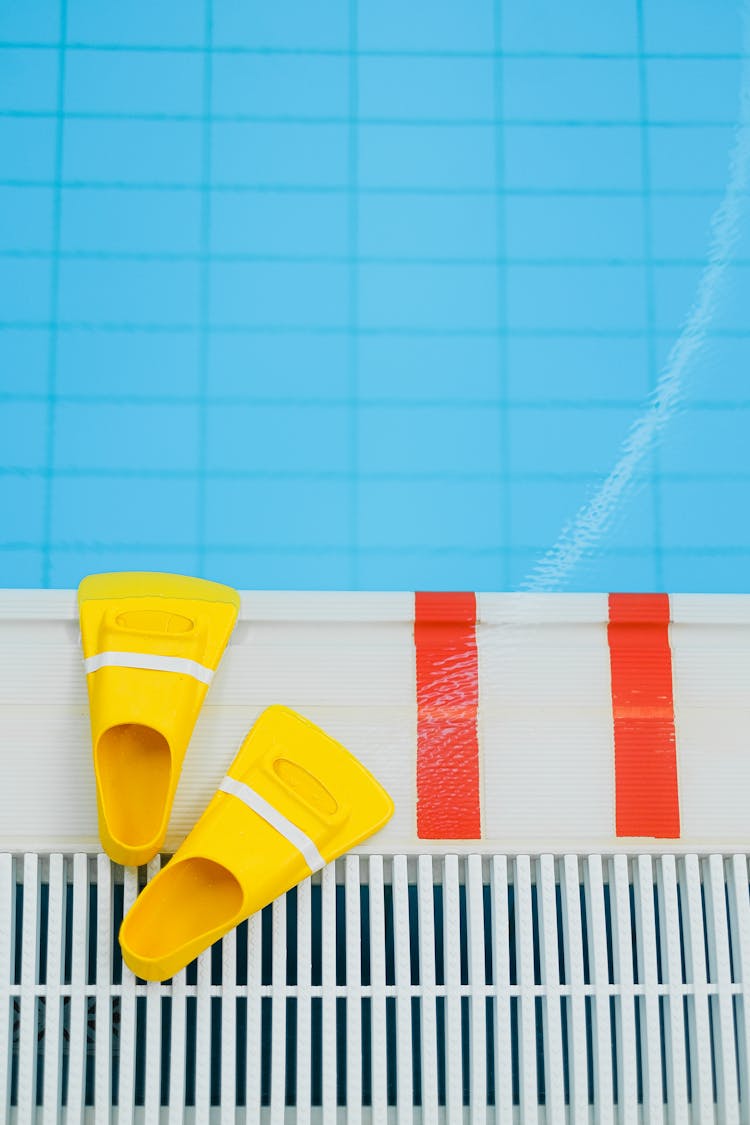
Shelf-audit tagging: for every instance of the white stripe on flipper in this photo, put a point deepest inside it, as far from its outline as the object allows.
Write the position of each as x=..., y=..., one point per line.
x=151, y=662
x=276, y=819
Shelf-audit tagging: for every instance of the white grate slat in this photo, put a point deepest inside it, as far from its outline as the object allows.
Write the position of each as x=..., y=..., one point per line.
x=202, y=1064
x=379, y=1043
x=7, y=955
x=126, y=1080
x=453, y=1014
x=27, y=1036
x=475, y=926
x=328, y=1001
x=254, y=1011
x=304, y=1001
x=697, y=997
x=228, y=1028
x=671, y=958
x=527, y=1071
x=574, y=975
x=278, y=1009
x=428, y=1012
x=720, y=973
x=354, y=985
x=599, y=974
x=550, y=966
x=622, y=949
x=228, y=1046
x=152, y=1053
x=103, y=984
x=739, y=916
x=404, y=1076
x=52, y=1092
x=646, y=943
x=177, y=1060
x=501, y=988
x=78, y=1028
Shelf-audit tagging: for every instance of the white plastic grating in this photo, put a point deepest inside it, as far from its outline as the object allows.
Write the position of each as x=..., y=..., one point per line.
x=427, y=988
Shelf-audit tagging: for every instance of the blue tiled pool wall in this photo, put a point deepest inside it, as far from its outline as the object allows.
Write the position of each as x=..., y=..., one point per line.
x=369, y=295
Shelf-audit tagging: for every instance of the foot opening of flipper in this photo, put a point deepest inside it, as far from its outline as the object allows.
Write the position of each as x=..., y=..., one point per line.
x=134, y=764
x=196, y=898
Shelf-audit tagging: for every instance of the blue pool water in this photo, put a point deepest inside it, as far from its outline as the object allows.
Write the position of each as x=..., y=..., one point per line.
x=376, y=295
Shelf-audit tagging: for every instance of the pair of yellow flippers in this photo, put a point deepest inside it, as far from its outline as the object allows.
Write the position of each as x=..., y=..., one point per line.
x=292, y=801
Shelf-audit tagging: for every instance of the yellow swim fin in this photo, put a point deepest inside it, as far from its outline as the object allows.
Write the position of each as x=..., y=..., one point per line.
x=151, y=643
x=293, y=800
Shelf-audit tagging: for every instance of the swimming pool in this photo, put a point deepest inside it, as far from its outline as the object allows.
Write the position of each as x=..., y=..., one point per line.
x=393, y=297
x=362, y=297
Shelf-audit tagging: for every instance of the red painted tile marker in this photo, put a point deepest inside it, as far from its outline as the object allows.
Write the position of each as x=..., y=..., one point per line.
x=646, y=795
x=448, y=803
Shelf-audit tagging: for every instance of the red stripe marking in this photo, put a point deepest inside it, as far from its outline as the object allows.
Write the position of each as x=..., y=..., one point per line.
x=447, y=697
x=646, y=797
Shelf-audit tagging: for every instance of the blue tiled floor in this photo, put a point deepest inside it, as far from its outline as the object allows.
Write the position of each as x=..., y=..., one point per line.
x=371, y=295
